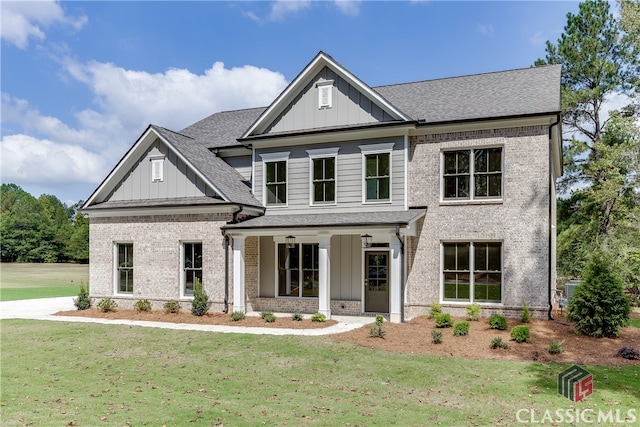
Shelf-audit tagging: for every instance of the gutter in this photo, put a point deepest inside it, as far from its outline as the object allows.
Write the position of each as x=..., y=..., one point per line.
x=551, y=231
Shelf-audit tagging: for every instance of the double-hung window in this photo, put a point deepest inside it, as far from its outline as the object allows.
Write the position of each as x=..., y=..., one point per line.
x=275, y=178
x=191, y=267
x=323, y=171
x=377, y=172
x=124, y=267
x=298, y=270
x=472, y=272
x=472, y=174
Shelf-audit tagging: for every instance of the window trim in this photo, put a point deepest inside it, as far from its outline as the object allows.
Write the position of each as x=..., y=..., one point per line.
x=323, y=153
x=472, y=272
x=472, y=199
x=183, y=277
x=271, y=158
x=383, y=148
x=116, y=268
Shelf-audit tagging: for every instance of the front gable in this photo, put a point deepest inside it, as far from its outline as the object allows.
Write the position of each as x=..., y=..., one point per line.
x=324, y=95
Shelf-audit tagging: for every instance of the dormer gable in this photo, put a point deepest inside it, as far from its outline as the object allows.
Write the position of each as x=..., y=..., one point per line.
x=324, y=95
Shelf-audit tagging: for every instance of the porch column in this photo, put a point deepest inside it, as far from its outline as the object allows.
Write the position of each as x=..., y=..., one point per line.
x=324, y=273
x=395, y=277
x=238, y=274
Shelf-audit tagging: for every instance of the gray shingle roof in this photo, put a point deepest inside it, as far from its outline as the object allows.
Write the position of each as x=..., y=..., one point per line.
x=224, y=177
x=222, y=129
x=331, y=219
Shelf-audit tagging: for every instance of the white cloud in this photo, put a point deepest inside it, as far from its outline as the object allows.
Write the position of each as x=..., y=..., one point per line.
x=25, y=20
x=281, y=8
x=349, y=7
x=486, y=30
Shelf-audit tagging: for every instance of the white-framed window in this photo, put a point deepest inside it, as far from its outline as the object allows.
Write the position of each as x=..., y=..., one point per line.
x=472, y=272
x=298, y=270
x=275, y=167
x=157, y=169
x=323, y=170
x=124, y=268
x=191, y=266
x=376, y=173
x=472, y=174
x=325, y=94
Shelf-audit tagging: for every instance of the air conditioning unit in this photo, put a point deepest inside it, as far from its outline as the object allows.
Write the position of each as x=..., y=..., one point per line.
x=570, y=287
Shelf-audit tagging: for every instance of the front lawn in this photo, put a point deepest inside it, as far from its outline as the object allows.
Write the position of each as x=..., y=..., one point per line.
x=59, y=373
x=32, y=280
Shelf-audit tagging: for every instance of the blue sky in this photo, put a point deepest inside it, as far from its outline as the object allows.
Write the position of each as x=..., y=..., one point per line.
x=82, y=80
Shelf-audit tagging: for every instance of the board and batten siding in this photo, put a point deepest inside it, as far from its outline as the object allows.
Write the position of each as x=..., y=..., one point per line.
x=178, y=179
x=349, y=107
x=242, y=164
x=349, y=176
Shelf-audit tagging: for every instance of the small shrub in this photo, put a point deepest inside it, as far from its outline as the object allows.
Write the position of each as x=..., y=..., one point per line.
x=520, y=333
x=200, y=304
x=556, y=347
x=142, y=305
x=473, y=311
x=377, y=330
x=268, y=317
x=525, y=315
x=106, y=305
x=265, y=314
x=629, y=353
x=297, y=317
x=443, y=320
x=498, y=343
x=498, y=321
x=461, y=328
x=436, y=336
x=171, y=307
x=83, y=301
x=318, y=317
x=436, y=308
x=237, y=316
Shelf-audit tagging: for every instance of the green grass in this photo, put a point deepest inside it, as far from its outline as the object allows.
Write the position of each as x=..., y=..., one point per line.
x=59, y=373
x=27, y=281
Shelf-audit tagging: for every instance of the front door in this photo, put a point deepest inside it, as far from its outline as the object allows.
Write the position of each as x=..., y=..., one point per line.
x=376, y=281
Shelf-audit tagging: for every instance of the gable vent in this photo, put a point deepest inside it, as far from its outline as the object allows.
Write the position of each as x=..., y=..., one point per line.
x=325, y=94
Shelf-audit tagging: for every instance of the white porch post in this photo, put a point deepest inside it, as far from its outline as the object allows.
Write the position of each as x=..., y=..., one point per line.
x=395, y=313
x=238, y=274
x=324, y=273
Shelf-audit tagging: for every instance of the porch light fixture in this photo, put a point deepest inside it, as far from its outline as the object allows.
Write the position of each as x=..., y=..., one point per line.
x=366, y=241
x=291, y=242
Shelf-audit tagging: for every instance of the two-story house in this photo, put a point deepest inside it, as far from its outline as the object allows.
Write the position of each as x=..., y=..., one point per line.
x=341, y=198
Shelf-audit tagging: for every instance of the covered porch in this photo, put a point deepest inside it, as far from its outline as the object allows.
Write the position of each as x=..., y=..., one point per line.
x=349, y=264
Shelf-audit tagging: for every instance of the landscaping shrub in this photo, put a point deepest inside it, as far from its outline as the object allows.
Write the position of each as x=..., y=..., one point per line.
x=142, y=305
x=436, y=308
x=599, y=307
x=318, y=317
x=436, y=336
x=106, y=305
x=525, y=315
x=264, y=314
x=83, y=301
x=520, y=333
x=172, y=307
x=297, y=317
x=629, y=353
x=237, y=315
x=473, y=311
x=443, y=320
x=556, y=347
x=200, y=304
x=377, y=330
x=498, y=321
x=498, y=343
x=461, y=328
x=268, y=316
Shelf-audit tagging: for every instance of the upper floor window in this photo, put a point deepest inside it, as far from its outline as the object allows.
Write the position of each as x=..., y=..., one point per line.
x=472, y=174
x=191, y=267
x=124, y=267
x=377, y=172
x=275, y=178
x=323, y=175
x=325, y=94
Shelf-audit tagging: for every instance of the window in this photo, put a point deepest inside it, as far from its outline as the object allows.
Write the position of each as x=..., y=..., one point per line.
x=125, y=268
x=157, y=169
x=377, y=176
x=275, y=178
x=472, y=272
x=191, y=266
x=298, y=270
x=325, y=94
x=472, y=174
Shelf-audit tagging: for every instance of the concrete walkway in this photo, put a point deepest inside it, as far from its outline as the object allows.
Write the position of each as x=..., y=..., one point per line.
x=44, y=308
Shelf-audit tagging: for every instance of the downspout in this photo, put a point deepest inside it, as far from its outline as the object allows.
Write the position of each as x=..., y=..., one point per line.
x=551, y=231
x=227, y=239
x=402, y=281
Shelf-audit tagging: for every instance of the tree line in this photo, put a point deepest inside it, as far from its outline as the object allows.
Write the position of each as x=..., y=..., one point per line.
x=41, y=229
